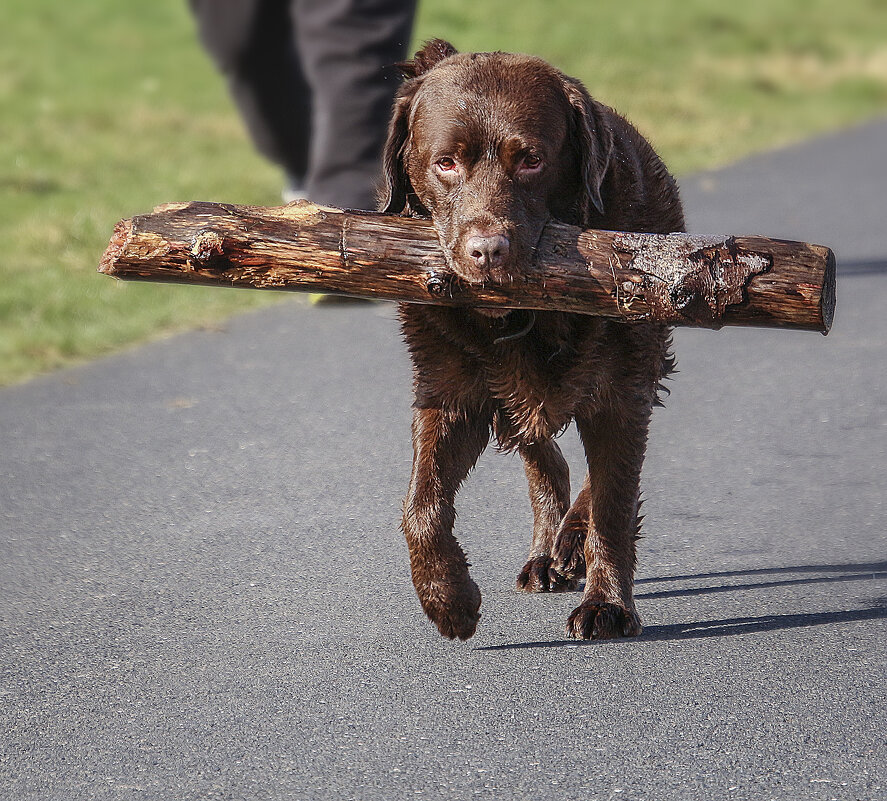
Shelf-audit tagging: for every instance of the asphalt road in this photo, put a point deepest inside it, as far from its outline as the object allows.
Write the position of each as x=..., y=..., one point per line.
x=204, y=593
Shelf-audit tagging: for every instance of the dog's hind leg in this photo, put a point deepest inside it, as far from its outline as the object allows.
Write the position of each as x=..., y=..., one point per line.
x=548, y=478
x=568, y=553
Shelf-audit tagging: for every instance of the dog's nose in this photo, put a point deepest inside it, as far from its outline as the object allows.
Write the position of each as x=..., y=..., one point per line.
x=488, y=251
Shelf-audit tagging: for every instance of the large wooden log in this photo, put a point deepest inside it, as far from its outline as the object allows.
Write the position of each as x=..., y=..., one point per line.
x=706, y=281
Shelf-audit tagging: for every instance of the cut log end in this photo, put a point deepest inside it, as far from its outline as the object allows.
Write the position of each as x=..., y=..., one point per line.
x=828, y=299
x=116, y=247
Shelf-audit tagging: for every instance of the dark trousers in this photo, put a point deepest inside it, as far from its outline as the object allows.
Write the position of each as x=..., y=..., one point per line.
x=314, y=81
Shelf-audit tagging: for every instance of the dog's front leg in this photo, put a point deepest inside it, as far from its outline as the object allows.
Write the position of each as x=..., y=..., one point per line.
x=614, y=448
x=446, y=446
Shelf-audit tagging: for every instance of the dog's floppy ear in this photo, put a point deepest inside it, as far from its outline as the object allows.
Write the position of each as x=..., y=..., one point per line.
x=396, y=184
x=593, y=139
x=395, y=192
x=433, y=52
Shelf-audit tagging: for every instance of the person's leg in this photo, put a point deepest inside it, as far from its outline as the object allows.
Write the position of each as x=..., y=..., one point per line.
x=253, y=44
x=348, y=49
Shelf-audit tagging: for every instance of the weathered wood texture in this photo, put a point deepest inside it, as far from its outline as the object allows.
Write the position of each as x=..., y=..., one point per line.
x=706, y=281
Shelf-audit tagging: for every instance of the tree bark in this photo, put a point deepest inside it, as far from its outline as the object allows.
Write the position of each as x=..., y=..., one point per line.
x=679, y=279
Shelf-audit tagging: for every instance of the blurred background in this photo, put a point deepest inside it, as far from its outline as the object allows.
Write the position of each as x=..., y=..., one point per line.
x=108, y=109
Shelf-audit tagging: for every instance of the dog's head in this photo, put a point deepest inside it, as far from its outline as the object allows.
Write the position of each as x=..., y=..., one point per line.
x=491, y=146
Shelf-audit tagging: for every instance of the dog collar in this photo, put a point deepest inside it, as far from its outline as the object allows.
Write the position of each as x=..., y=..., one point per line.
x=517, y=334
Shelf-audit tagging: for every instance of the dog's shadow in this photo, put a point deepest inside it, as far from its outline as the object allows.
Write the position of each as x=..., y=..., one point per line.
x=743, y=625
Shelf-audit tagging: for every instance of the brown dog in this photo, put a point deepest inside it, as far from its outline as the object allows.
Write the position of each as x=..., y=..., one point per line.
x=491, y=146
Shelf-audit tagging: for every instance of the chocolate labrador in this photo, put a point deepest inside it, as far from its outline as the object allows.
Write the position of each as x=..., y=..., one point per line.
x=491, y=146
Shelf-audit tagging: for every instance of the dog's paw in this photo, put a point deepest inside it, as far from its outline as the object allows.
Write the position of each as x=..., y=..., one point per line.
x=453, y=607
x=567, y=556
x=539, y=575
x=594, y=620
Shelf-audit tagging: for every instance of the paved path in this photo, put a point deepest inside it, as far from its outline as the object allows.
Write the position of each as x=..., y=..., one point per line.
x=204, y=593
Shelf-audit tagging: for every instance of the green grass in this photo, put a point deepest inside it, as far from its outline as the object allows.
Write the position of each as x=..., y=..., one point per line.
x=108, y=109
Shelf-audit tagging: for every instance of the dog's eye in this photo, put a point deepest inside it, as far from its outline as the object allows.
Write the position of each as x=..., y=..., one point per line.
x=531, y=162
x=446, y=164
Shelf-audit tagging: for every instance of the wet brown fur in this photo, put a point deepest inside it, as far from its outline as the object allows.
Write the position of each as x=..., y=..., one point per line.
x=484, y=112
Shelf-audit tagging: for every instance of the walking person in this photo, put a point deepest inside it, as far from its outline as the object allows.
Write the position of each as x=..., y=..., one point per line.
x=314, y=81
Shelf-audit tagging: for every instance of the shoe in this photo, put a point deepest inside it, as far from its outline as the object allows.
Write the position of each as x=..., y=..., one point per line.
x=320, y=299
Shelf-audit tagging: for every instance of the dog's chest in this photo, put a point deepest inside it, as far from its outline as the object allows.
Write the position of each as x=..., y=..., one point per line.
x=534, y=400
x=535, y=383
x=538, y=382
